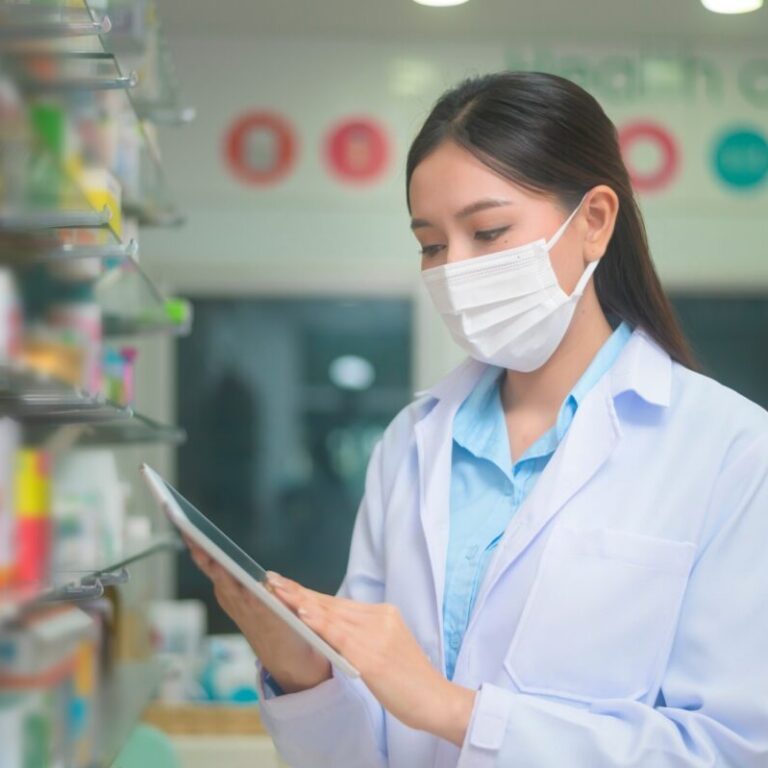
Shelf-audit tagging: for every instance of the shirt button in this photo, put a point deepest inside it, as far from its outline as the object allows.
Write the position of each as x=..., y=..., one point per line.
x=455, y=640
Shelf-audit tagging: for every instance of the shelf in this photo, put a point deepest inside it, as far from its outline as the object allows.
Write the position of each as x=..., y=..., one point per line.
x=84, y=583
x=64, y=252
x=44, y=404
x=153, y=215
x=22, y=23
x=158, y=98
x=132, y=304
x=86, y=81
x=52, y=72
x=139, y=430
x=21, y=221
x=79, y=28
x=13, y=602
x=47, y=198
x=127, y=694
x=114, y=326
x=75, y=572
x=31, y=397
x=64, y=83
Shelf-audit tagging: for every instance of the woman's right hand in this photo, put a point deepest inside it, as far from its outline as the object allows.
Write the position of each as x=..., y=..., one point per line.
x=291, y=661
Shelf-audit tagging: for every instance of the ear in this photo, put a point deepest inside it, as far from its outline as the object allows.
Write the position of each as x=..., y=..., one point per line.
x=600, y=210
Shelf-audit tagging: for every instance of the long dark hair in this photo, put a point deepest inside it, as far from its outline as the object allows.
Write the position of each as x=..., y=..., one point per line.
x=549, y=135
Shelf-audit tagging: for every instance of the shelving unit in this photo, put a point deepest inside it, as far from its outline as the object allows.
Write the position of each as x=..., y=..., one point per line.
x=50, y=219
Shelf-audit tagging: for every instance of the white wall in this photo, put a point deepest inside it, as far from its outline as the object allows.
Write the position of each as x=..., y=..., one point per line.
x=311, y=235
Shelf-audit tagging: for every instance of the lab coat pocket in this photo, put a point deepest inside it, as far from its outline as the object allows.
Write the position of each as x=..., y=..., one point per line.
x=601, y=614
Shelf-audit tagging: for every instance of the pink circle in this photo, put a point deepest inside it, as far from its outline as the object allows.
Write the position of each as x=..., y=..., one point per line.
x=648, y=131
x=357, y=150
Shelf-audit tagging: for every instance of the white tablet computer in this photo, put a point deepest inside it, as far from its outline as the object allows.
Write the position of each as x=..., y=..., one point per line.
x=224, y=551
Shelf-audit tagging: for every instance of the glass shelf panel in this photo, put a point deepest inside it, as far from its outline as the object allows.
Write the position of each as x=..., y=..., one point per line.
x=29, y=396
x=133, y=305
x=139, y=430
x=67, y=72
x=44, y=404
x=24, y=22
x=73, y=573
x=14, y=602
x=157, y=97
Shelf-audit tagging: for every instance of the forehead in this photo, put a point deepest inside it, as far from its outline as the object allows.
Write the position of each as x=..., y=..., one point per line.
x=453, y=176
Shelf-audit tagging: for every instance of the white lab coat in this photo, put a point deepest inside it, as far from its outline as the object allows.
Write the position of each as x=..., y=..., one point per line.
x=623, y=620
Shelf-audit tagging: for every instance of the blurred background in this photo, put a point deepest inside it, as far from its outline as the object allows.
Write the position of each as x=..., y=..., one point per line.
x=206, y=264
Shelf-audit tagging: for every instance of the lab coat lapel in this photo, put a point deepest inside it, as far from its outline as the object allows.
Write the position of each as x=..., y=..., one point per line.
x=434, y=445
x=642, y=367
x=586, y=446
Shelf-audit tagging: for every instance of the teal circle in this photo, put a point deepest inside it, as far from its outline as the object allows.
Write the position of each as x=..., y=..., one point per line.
x=741, y=158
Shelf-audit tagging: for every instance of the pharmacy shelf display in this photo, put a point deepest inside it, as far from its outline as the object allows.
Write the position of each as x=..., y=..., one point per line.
x=83, y=86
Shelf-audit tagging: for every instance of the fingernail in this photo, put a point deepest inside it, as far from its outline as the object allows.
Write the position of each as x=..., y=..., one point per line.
x=303, y=612
x=274, y=579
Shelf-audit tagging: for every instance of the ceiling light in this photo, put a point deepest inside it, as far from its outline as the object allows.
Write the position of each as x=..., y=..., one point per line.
x=440, y=3
x=732, y=6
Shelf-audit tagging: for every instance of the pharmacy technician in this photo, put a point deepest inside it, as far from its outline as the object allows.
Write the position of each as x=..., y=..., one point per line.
x=561, y=556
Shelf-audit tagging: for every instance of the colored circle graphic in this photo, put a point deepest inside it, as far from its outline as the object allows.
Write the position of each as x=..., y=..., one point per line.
x=741, y=158
x=260, y=147
x=357, y=150
x=661, y=140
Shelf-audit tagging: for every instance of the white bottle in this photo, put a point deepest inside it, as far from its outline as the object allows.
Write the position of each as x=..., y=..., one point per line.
x=10, y=439
x=10, y=317
x=88, y=508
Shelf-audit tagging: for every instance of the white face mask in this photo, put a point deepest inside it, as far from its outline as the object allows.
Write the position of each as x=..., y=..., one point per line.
x=507, y=308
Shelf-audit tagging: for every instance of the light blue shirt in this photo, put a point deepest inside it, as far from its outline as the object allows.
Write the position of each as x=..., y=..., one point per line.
x=487, y=489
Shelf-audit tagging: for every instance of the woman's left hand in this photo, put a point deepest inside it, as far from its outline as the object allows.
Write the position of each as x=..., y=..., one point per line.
x=375, y=639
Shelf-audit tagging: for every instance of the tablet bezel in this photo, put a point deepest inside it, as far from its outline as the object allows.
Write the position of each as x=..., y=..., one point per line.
x=160, y=490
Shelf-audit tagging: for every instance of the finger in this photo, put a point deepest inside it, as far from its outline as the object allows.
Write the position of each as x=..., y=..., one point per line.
x=199, y=556
x=290, y=587
x=309, y=600
x=197, y=553
x=293, y=592
x=335, y=630
x=221, y=577
x=194, y=549
x=349, y=610
x=204, y=563
x=296, y=598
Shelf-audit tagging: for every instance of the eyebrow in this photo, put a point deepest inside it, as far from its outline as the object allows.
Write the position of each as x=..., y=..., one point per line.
x=468, y=210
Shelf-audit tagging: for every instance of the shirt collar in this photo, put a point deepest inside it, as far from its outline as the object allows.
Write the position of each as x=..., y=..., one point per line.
x=479, y=425
x=642, y=367
x=603, y=361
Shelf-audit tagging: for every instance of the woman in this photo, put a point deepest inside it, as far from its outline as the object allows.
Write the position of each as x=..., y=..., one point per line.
x=559, y=559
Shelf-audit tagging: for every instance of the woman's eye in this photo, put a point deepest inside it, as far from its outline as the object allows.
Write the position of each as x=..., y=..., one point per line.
x=430, y=250
x=487, y=235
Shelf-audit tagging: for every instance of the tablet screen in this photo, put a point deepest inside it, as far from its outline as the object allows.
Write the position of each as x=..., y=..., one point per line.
x=223, y=542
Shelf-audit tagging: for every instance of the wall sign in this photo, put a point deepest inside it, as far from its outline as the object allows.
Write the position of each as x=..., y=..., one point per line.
x=357, y=150
x=654, y=134
x=260, y=147
x=741, y=158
